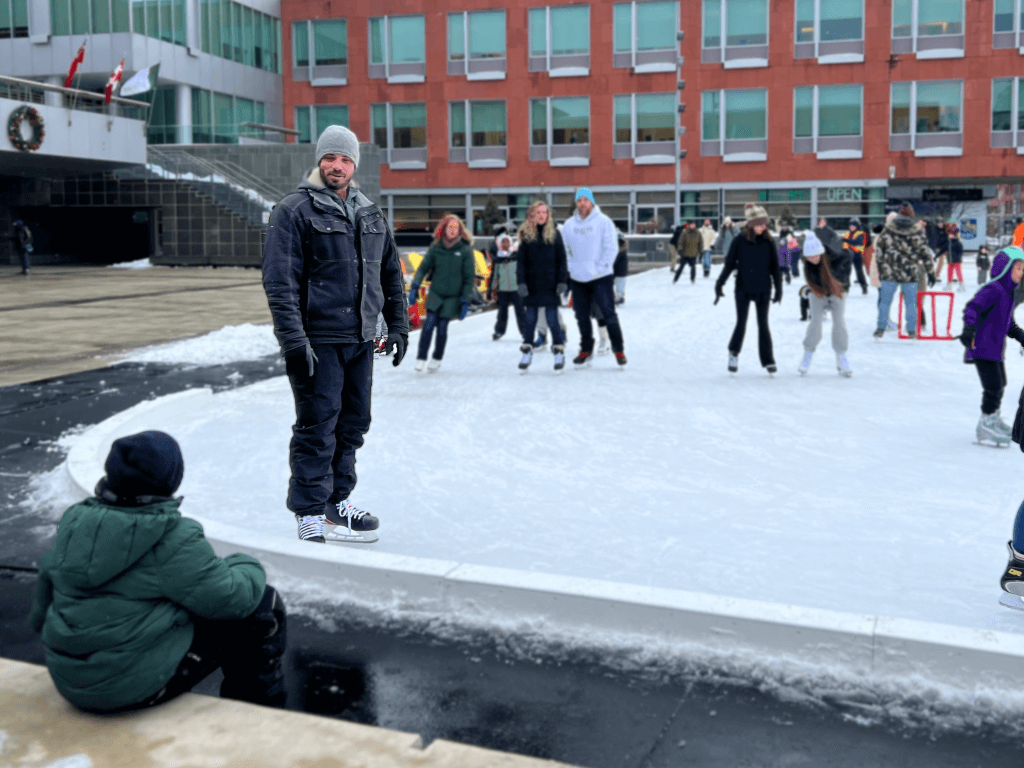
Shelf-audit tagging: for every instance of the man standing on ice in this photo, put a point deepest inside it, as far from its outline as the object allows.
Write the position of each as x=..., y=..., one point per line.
x=330, y=265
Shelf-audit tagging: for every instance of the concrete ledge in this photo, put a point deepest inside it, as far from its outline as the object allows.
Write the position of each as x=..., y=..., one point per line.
x=757, y=639
x=39, y=729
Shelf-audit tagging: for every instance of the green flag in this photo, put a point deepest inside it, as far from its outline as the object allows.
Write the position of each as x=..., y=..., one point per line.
x=142, y=81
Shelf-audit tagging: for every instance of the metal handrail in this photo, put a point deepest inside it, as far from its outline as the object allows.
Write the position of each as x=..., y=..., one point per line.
x=230, y=171
x=71, y=91
x=273, y=128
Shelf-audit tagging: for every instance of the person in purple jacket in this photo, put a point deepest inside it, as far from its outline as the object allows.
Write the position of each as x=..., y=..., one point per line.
x=988, y=320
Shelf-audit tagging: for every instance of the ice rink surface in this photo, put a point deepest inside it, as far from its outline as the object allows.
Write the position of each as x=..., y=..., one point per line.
x=864, y=495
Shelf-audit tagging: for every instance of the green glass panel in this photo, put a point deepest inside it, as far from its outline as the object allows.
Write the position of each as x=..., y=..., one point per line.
x=236, y=32
x=457, y=36
x=153, y=19
x=1020, y=104
x=248, y=38
x=710, y=115
x=138, y=17
x=300, y=43
x=245, y=112
x=166, y=21
x=487, y=35
x=457, y=123
x=655, y=113
x=746, y=22
x=204, y=26
x=570, y=121
x=329, y=42
x=100, y=16
x=839, y=110
x=940, y=17
x=407, y=42
x=408, y=125
x=261, y=112
x=379, y=124
x=60, y=18
x=179, y=22
x=79, y=17
x=938, y=107
x=805, y=21
x=1002, y=104
x=803, y=111
x=655, y=26
x=622, y=27
x=21, y=18
x=538, y=32
x=712, y=23
x=1003, y=17
x=487, y=123
x=332, y=115
x=900, y=109
x=539, y=122
x=745, y=114
x=202, y=120
x=570, y=30
x=5, y=19
x=275, y=40
x=224, y=128
x=902, y=18
x=259, y=23
x=377, y=41
x=224, y=29
x=302, y=125
x=623, y=106
x=119, y=22
x=842, y=20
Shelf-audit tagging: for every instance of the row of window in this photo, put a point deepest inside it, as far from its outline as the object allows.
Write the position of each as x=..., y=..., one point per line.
x=217, y=118
x=13, y=18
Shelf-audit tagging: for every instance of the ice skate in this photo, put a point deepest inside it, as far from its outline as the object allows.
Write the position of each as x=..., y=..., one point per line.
x=988, y=432
x=540, y=342
x=582, y=360
x=311, y=528
x=420, y=365
x=772, y=369
x=1002, y=425
x=1012, y=580
x=379, y=347
x=805, y=364
x=602, y=344
x=495, y=336
x=559, y=359
x=526, y=359
x=961, y=287
x=620, y=358
x=879, y=333
x=734, y=363
x=433, y=365
x=843, y=366
x=344, y=522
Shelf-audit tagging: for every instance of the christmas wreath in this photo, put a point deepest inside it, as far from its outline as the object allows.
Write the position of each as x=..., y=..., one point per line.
x=35, y=121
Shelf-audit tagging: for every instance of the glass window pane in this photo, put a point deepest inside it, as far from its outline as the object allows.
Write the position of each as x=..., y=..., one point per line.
x=60, y=17
x=803, y=107
x=710, y=115
x=805, y=21
x=302, y=124
x=457, y=123
x=224, y=129
x=713, y=23
x=178, y=7
x=623, y=119
x=119, y=22
x=406, y=39
x=20, y=18
x=900, y=118
x=745, y=115
x=940, y=17
x=938, y=107
x=487, y=35
x=329, y=44
x=224, y=29
x=842, y=19
x=261, y=113
x=100, y=16
x=654, y=117
x=5, y=18
x=1004, y=16
x=275, y=40
x=300, y=43
x=153, y=18
x=839, y=110
x=570, y=121
x=487, y=123
x=325, y=116
x=236, y=32
x=538, y=32
x=570, y=30
x=379, y=124
x=245, y=112
x=902, y=16
x=377, y=41
x=79, y=17
x=655, y=26
x=456, y=36
x=1002, y=103
x=202, y=117
x=539, y=122
x=166, y=21
x=1020, y=104
x=138, y=16
x=622, y=23
x=409, y=125
x=204, y=26
x=746, y=22
x=248, y=38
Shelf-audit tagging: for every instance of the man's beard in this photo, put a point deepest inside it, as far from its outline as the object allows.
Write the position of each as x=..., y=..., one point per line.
x=334, y=186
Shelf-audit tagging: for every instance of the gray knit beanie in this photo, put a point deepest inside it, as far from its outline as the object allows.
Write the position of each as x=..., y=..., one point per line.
x=337, y=140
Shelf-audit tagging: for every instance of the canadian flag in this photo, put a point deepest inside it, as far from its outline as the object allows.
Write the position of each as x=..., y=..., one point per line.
x=79, y=58
x=115, y=78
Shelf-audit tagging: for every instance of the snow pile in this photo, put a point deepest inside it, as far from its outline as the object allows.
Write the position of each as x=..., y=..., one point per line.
x=230, y=344
x=137, y=264
x=213, y=178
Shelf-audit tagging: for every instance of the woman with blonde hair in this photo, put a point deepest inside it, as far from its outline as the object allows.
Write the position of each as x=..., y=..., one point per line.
x=542, y=276
x=450, y=267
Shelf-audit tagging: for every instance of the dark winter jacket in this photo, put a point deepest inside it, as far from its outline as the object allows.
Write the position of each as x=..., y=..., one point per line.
x=542, y=266
x=937, y=238
x=756, y=262
x=117, y=593
x=22, y=238
x=900, y=249
x=691, y=244
x=956, y=250
x=451, y=272
x=326, y=276
x=990, y=312
x=813, y=273
x=831, y=240
x=621, y=266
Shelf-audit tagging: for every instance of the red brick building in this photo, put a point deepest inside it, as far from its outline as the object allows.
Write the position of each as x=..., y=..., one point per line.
x=821, y=107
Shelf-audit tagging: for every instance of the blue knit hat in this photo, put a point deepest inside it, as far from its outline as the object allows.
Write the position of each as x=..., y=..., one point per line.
x=146, y=464
x=584, y=192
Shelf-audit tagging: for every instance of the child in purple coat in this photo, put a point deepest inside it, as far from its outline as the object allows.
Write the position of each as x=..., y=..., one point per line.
x=988, y=320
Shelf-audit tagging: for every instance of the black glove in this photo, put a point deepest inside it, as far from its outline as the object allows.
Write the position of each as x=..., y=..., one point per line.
x=719, y=293
x=931, y=280
x=561, y=288
x=397, y=344
x=300, y=362
x=778, y=297
x=967, y=337
x=522, y=290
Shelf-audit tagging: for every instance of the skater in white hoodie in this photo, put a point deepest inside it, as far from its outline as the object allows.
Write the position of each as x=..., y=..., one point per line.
x=591, y=245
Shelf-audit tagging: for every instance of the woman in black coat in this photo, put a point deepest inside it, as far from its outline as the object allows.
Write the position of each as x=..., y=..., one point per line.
x=542, y=276
x=755, y=259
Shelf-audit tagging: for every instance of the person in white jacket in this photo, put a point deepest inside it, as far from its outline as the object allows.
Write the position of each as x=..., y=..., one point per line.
x=591, y=245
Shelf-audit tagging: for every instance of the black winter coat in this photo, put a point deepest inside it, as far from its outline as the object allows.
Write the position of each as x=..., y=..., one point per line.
x=756, y=263
x=326, y=277
x=956, y=250
x=621, y=266
x=541, y=267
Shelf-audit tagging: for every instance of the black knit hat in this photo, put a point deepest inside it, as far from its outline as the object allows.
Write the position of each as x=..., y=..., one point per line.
x=146, y=464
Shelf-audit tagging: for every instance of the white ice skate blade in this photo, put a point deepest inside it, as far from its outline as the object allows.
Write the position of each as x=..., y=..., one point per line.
x=340, y=534
x=993, y=443
x=1016, y=602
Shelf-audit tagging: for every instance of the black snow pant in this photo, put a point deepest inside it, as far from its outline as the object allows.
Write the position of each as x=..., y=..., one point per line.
x=249, y=651
x=683, y=261
x=764, y=334
x=599, y=293
x=858, y=265
x=332, y=414
x=504, y=299
x=993, y=382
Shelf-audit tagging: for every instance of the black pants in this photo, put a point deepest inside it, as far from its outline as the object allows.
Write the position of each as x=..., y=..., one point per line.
x=858, y=265
x=600, y=292
x=249, y=650
x=332, y=414
x=683, y=261
x=764, y=334
x=993, y=381
x=504, y=299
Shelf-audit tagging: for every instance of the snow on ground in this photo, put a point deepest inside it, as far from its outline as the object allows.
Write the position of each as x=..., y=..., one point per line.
x=137, y=264
x=863, y=495
x=230, y=344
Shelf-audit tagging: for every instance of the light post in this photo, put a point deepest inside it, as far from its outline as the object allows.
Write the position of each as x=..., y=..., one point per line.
x=680, y=131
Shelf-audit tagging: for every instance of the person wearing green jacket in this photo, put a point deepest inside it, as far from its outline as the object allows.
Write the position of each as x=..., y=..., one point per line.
x=451, y=269
x=135, y=608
